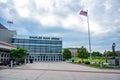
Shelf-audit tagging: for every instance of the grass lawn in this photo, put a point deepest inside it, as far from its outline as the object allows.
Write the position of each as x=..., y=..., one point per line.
x=104, y=66
x=95, y=62
x=97, y=59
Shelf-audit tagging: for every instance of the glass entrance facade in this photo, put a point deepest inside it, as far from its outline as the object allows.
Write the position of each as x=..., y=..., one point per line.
x=40, y=48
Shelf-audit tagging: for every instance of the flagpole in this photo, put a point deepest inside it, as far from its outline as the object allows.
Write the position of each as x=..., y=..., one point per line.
x=89, y=37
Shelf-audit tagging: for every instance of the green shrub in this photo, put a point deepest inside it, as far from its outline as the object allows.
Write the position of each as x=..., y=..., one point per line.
x=17, y=63
x=80, y=62
x=87, y=62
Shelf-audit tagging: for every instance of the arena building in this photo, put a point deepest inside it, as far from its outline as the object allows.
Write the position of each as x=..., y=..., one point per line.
x=40, y=48
x=5, y=44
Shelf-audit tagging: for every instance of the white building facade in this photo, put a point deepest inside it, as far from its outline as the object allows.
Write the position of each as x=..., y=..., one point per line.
x=5, y=52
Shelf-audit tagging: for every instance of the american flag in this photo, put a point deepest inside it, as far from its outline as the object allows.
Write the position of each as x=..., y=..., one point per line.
x=84, y=13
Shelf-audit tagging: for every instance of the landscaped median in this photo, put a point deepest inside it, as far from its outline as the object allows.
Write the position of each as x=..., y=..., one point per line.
x=97, y=63
x=103, y=66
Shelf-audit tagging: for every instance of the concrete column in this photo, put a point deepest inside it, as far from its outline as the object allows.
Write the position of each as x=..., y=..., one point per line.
x=38, y=58
x=49, y=58
x=57, y=58
x=53, y=58
x=0, y=57
x=3, y=56
x=11, y=64
x=45, y=58
x=41, y=58
x=7, y=56
x=60, y=57
x=25, y=60
x=28, y=59
x=34, y=58
x=119, y=62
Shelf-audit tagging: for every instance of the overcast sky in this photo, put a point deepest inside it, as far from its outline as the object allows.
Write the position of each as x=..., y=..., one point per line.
x=60, y=18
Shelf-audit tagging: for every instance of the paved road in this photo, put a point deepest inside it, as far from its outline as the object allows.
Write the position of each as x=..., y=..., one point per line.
x=57, y=71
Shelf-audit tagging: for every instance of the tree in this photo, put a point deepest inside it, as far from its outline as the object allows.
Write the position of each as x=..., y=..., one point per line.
x=96, y=54
x=67, y=54
x=82, y=53
x=18, y=53
x=109, y=53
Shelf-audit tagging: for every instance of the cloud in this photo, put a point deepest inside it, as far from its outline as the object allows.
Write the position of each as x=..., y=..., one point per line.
x=71, y=22
x=21, y=31
x=61, y=14
x=102, y=15
x=22, y=8
x=104, y=19
x=50, y=20
x=3, y=1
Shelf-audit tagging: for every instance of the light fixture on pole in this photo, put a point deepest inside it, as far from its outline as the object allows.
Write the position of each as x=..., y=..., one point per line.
x=10, y=22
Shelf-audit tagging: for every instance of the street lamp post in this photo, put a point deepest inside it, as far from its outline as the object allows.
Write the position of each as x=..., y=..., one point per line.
x=10, y=22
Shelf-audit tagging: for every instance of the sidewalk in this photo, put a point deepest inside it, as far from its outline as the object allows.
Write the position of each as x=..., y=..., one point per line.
x=57, y=71
x=63, y=66
x=4, y=67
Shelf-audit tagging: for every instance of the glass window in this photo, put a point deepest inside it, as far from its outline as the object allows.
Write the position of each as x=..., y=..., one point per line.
x=32, y=41
x=26, y=46
x=38, y=41
x=21, y=41
x=15, y=41
x=26, y=41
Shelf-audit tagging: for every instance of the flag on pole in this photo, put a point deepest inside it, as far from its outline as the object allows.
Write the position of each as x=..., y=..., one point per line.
x=84, y=13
